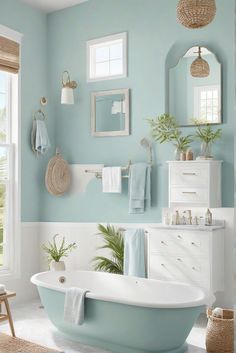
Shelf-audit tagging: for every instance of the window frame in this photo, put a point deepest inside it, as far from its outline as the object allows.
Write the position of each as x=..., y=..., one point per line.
x=12, y=268
x=197, y=101
x=91, y=46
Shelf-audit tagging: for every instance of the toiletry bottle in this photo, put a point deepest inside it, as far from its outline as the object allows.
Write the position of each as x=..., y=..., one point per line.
x=177, y=220
x=208, y=218
x=173, y=219
x=166, y=219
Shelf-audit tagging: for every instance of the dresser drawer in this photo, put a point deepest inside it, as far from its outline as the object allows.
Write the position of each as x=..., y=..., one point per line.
x=188, y=195
x=189, y=175
x=183, y=269
x=190, y=243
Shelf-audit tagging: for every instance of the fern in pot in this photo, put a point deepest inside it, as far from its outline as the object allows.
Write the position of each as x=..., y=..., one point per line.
x=165, y=129
x=55, y=252
x=114, y=242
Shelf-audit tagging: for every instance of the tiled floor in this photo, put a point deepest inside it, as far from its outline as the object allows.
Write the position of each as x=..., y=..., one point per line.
x=31, y=323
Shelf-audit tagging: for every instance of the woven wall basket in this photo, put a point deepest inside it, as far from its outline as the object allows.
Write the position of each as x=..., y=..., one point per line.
x=220, y=332
x=196, y=13
x=200, y=68
x=58, y=176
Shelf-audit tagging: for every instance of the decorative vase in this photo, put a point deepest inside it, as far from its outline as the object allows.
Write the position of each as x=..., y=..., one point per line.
x=57, y=266
x=206, y=150
x=177, y=153
x=189, y=155
x=183, y=156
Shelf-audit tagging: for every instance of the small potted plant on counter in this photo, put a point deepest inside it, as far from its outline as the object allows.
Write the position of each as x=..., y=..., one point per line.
x=56, y=251
x=207, y=136
x=165, y=129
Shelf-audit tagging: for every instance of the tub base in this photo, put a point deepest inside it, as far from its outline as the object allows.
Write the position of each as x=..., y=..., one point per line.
x=119, y=348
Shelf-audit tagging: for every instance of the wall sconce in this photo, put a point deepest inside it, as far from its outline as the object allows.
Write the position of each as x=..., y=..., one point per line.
x=67, y=94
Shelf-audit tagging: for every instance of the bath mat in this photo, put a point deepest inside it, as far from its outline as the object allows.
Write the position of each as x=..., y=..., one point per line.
x=10, y=344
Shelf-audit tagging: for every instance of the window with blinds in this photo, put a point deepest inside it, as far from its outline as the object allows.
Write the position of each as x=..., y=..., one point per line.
x=9, y=55
x=9, y=151
x=6, y=166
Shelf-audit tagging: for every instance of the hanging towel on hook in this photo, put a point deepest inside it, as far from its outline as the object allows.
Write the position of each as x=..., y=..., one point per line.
x=39, y=137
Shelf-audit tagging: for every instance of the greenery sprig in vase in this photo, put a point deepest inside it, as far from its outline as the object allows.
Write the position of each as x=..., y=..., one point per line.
x=165, y=129
x=207, y=136
x=55, y=252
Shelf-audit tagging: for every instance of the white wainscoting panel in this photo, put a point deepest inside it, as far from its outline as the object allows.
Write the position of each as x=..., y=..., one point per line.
x=29, y=264
x=85, y=235
x=33, y=235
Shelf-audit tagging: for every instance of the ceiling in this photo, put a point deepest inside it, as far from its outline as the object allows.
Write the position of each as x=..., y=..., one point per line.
x=52, y=5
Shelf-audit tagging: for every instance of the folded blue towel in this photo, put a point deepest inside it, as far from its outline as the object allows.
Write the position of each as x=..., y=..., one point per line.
x=39, y=137
x=139, y=187
x=134, y=253
x=74, y=305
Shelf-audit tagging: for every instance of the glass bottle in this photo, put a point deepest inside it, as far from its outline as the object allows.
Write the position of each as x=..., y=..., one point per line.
x=208, y=218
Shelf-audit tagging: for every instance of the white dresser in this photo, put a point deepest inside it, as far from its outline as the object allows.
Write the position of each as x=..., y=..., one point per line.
x=192, y=256
x=195, y=183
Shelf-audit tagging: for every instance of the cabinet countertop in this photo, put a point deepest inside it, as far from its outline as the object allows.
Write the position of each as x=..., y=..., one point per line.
x=219, y=225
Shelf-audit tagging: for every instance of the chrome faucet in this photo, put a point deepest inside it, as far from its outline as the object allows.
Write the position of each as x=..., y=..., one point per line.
x=190, y=218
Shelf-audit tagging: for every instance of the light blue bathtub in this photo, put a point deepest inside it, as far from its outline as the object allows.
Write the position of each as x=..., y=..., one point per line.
x=124, y=314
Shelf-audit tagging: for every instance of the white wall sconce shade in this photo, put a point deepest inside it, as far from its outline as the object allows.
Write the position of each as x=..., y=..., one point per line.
x=67, y=93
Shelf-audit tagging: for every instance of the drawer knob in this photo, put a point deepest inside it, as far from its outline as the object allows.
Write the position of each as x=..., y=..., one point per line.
x=179, y=259
x=163, y=265
x=146, y=232
x=179, y=237
x=162, y=242
x=194, y=268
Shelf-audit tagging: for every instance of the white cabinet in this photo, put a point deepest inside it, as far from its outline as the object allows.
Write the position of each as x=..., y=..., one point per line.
x=191, y=256
x=195, y=183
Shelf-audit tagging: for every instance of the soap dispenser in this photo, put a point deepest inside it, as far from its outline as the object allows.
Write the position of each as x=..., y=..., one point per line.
x=208, y=218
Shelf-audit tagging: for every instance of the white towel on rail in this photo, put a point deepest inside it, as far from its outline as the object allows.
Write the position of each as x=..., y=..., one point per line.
x=111, y=179
x=74, y=305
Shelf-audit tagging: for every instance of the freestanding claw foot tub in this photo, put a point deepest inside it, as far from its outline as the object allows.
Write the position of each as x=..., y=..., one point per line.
x=124, y=314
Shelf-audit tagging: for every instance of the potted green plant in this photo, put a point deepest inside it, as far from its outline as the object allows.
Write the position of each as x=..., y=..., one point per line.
x=56, y=251
x=207, y=136
x=165, y=129
x=113, y=240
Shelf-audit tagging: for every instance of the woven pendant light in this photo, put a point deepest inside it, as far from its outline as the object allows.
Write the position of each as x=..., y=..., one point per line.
x=196, y=13
x=200, y=67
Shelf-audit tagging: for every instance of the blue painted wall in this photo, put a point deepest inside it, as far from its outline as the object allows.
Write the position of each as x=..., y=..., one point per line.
x=155, y=42
x=57, y=42
x=33, y=25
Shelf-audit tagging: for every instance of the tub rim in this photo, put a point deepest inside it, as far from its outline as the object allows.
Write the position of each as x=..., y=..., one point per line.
x=205, y=298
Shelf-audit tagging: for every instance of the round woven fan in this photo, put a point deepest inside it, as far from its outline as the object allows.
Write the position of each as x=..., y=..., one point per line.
x=58, y=176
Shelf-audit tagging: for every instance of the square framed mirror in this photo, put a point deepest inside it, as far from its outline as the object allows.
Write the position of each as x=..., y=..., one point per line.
x=110, y=113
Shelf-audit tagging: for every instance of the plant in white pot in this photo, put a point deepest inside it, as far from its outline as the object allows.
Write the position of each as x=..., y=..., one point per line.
x=56, y=251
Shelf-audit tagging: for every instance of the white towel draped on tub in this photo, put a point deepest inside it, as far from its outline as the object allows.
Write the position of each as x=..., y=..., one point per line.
x=74, y=305
x=111, y=179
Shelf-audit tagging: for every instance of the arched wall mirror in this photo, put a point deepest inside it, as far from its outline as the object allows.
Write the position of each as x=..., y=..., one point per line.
x=195, y=88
